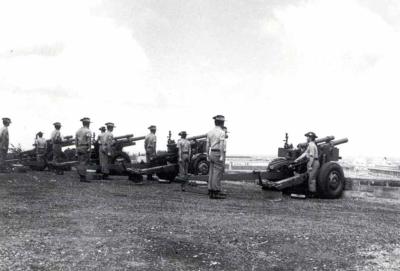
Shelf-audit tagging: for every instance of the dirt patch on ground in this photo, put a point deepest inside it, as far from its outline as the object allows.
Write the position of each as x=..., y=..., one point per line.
x=54, y=222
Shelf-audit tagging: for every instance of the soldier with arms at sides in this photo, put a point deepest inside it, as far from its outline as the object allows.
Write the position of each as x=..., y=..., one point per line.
x=56, y=140
x=97, y=145
x=106, y=150
x=102, y=130
x=150, y=146
x=184, y=154
x=311, y=153
x=83, y=142
x=216, y=155
x=4, y=144
x=41, y=147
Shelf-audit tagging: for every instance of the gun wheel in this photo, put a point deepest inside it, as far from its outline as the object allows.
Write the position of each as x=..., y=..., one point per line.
x=331, y=181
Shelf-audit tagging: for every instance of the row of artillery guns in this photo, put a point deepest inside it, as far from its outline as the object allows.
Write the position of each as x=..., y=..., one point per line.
x=68, y=156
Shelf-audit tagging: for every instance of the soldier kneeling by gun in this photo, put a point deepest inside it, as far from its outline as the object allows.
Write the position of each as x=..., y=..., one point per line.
x=311, y=153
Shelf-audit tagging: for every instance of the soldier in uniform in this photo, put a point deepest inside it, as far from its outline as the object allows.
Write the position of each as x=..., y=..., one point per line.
x=83, y=142
x=150, y=146
x=311, y=153
x=41, y=147
x=56, y=140
x=106, y=150
x=216, y=155
x=184, y=154
x=4, y=142
x=102, y=130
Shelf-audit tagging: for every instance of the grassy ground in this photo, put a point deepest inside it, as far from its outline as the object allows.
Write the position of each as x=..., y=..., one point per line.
x=51, y=222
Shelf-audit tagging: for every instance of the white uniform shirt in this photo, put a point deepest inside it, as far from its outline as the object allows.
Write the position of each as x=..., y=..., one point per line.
x=184, y=145
x=56, y=137
x=83, y=137
x=150, y=143
x=312, y=150
x=4, y=138
x=216, y=139
x=41, y=143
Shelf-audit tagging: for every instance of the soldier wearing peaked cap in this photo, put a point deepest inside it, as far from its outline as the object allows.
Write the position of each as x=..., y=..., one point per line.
x=4, y=143
x=216, y=154
x=150, y=146
x=41, y=147
x=56, y=147
x=83, y=141
x=98, y=142
x=311, y=153
x=184, y=154
x=106, y=150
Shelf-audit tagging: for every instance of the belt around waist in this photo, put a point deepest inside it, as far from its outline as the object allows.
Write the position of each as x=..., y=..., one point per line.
x=185, y=152
x=216, y=150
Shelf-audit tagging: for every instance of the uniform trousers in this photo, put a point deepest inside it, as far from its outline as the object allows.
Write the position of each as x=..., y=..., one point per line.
x=184, y=165
x=216, y=171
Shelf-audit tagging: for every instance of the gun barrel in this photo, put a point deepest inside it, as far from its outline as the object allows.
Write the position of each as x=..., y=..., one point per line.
x=137, y=138
x=335, y=142
x=197, y=137
x=339, y=141
x=318, y=141
x=123, y=136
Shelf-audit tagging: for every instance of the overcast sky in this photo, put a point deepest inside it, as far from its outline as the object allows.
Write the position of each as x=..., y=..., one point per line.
x=269, y=66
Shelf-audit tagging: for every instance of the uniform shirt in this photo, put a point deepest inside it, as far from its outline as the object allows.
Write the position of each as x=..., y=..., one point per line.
x=312, y=150
x=56, y=137
x=4, y=138
x=107, y=142
x=216, y=139
x=41, y=143
x=184, y=145
x=150, y=142
x=100, y=138
x=83, y=137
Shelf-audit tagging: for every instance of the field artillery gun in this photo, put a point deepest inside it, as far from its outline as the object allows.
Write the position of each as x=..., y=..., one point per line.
x=284, y=174
x=165, y=164
x=118, y=155
x=28, y=158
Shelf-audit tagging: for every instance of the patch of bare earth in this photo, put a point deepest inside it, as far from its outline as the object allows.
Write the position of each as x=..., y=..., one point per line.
x=51, y=222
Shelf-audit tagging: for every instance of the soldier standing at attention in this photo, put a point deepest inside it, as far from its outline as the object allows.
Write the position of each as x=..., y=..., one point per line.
x=100, y=136
x=184, y=153
x=56, y=140
x=4, y=142
x=97, y=145
x=83, y=141
x=41, y=147
x=216, y=155
x=311, y=153
x=106, y=150
x=150, y=146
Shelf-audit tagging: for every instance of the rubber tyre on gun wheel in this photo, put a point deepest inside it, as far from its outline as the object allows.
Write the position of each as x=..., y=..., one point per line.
x=331, y=181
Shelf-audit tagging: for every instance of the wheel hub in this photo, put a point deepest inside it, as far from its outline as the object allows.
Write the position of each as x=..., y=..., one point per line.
x=203, y=168
x=333, y=180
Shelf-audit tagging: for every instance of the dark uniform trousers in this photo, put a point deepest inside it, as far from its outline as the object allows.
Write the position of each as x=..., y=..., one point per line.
x=104, y=162
x=40, y=154
x=3, y=157
x=57, y=152
x=216, y=171
x=83, y=153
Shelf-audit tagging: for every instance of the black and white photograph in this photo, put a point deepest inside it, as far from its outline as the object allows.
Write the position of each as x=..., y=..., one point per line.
x=200, y=135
